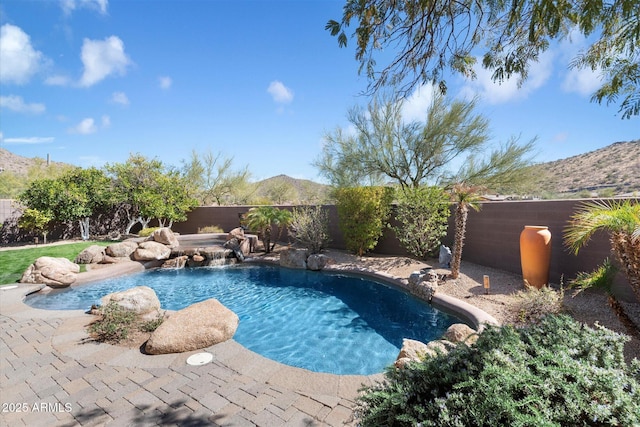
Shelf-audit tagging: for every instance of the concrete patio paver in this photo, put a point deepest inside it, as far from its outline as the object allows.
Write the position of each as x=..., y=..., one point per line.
x=51, y=375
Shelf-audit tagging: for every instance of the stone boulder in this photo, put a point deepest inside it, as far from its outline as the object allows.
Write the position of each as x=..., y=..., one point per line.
x=235, y=245
x=411, y=351
x=53, y=272
x=177, y=262
x=151, y=251
x=142, y=300
x=459, y=332
x=237, y=233
x=94, y=254
x=121, y=249
x=293, y=258
x=166, y=237
x=318, y=261
x=198, y=326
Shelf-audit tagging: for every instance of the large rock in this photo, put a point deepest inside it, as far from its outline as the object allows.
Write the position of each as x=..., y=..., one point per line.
x=459, y=332
x=150, y=251
x=237, y=233
x=142, y=300
x=293, y=258
x=122, y=249
x=166, y=237
x=53, y=272
x=318, y=261
x=94, y=254
x=198, y=326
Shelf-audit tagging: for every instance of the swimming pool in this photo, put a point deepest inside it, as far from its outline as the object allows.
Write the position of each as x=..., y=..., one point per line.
x=323, y=322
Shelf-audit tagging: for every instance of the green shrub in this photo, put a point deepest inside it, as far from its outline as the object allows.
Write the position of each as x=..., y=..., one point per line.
x=310, y=227
x=151, y=325
x=210, y=229
x=114, y=324
x=362, y=215
x=422, y=214
x=555, y=373
x=146, y=232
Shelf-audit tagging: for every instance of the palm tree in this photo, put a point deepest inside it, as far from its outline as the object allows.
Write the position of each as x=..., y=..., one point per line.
x=263, y=219
x=621, y=219
x=465, y=196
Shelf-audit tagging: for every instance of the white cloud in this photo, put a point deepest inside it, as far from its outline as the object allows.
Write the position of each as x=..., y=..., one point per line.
x=68, y=6
x=106, y=121
x=165, y=82
x=416, y=106
x=17, y=104
x=102, y=58
x=85, y=127
x=583, y=81
x=279, y=92
x=57, y=80
x=19, y=60
x=500, y=93
x=29, y=140
x=120, y=98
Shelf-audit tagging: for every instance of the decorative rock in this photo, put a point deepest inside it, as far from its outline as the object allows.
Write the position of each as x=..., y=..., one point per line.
x=198, y=258
x=459, y=332
x=94, y=254
x=236, y=233
x=293, y=258
x=53, y=272
x=198, y=326
x=411, y=351
x=166, y=237
x=177, y=262
x=122, y=249
x=141, y=300
x=150, y=250
x=318, y=261
x=444, y=257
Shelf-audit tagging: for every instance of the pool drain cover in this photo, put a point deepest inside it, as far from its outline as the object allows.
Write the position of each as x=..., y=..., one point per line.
x=199, y=359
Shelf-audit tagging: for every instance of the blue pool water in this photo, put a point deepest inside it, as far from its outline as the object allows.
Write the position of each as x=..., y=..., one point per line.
x=323, y=322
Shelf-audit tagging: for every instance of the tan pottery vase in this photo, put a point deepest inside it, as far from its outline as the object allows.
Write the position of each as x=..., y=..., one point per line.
x=535, y=255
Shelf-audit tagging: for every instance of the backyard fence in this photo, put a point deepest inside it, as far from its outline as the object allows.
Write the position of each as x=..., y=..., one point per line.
x=492, y=235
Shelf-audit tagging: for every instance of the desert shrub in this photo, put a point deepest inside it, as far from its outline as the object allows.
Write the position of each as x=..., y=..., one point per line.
x=531, y=305
x=422, y=214
x=310, y=227
x=362, y=215
x=210, y=229
x=114, y=324
x=151, y=325
x=554, y=373
x=146, y=232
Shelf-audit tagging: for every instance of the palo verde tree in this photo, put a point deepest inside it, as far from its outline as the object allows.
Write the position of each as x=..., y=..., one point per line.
x=429, y=38
x=77, y=195
x=212, y=177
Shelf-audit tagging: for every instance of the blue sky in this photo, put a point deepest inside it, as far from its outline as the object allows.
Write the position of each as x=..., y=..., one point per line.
x=90, y=81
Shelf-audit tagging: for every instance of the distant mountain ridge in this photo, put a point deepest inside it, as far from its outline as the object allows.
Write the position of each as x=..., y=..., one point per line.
x=611, y=170
x=608, y=171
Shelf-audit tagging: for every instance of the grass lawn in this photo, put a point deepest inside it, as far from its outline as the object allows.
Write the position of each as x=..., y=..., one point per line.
x=14, y=262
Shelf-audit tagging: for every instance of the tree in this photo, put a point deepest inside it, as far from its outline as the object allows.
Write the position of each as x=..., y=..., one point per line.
x=212, y=177
x=146, y=189
x=433, y=36
x=464, y=196
x=264, y=219
x=411, y=154
x=621, y=219
x=422, y=214
x=35, y=220
x=77, y=195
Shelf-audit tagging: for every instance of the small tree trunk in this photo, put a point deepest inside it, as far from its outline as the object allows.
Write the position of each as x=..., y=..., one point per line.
x=84, y=228
x=461, y=225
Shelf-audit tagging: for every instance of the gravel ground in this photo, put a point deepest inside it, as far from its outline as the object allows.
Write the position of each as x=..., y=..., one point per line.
x=505, y=297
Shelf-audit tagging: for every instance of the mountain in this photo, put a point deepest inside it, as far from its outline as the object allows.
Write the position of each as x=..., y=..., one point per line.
x=608, y=171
